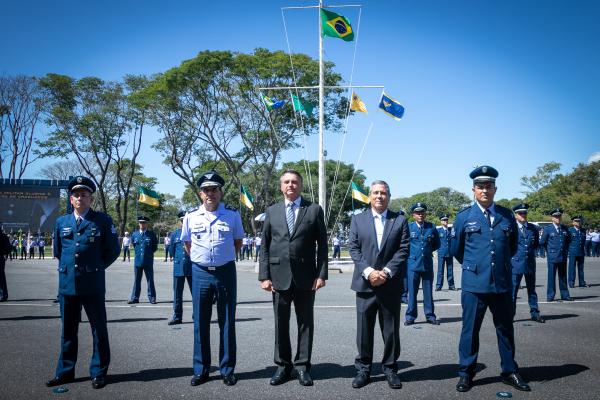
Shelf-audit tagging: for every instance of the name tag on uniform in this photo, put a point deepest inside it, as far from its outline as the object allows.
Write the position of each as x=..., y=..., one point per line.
x=66, y=230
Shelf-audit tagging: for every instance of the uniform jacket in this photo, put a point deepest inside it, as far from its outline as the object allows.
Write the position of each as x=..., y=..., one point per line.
x=5, y=247
x=445, y=239
x=523, y=262
x=362, y=245
x=144, y=246
x=422, y=245
x=577, y=242
x=301, y=256
x=182, y=264
x=85, y=252
x=483, y=252
x=556, y=244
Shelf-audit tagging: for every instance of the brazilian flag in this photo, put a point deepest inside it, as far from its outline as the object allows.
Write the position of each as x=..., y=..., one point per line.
x=149, y=197
x=336, y=26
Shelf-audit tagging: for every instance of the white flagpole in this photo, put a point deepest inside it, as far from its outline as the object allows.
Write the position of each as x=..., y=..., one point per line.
x=322, y=192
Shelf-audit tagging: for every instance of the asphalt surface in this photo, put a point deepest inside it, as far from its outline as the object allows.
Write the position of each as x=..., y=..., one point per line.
x=150, y=360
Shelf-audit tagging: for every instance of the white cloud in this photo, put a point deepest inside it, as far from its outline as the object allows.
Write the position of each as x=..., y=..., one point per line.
x=594, y=157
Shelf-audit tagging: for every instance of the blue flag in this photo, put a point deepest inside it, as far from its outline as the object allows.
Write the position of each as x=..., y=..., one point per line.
x=391, y=107
x=272, y=103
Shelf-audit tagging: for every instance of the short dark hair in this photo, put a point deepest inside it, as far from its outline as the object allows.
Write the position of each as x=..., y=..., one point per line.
x=292, y=171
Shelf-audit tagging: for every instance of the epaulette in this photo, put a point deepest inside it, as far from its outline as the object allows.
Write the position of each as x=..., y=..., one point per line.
x=228, y=207
x=192, y=209
x=464, y=209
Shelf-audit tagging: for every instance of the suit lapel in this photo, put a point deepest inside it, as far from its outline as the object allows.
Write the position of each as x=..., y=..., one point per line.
x=389, y=223
x=497, y=218
x=301, y=212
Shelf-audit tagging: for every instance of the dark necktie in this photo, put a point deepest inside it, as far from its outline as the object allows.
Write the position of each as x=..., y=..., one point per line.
x=78, y=221
x=488, y=216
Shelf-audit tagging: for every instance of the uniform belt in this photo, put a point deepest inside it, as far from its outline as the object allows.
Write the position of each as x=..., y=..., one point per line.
x=214, y=268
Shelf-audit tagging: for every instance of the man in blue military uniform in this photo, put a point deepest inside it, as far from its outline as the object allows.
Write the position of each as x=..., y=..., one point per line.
x=212, y=235
x=85, y=243
x=5, y=249
x=145, y=243
x=556, y=241
x=523, y=262
x=444, y=256
x=424, y=240
x=182, y=271
x=485, y=239
x=576, y=252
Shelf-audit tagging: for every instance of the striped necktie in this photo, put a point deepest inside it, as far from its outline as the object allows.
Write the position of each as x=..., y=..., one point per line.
x=290, y=217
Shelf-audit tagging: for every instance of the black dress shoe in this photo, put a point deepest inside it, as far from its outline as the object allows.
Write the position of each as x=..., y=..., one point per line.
x=408, y=323
x=464, y=384
x=152, y=301
x=2, y=300
x=393, y=380
x=433, y=321
x=229, y=380
x=281, y=376
x=60, y=380
x=516, y=381
x=571, y=286
x=361, y=379
x=538, y=318
x=451, y=288
x=437, y=289
x=304, y=378
x=198, y=380
x=133, y=301
x=98, y=382
x=174, y=322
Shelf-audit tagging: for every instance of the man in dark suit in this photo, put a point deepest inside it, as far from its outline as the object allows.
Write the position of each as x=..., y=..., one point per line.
x=485, y=239
x=379, y=244
x=85, y=243
x=293, y=266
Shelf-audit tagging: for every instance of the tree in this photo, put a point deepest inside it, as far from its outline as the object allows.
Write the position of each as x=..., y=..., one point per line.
x=543, y=176
x=438, y=201
x=21, y=104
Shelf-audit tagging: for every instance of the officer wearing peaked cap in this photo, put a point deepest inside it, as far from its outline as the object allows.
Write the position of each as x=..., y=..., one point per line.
x=182, y=271
x=85, y=243
x=444, y=256
x=485, y=238
x=424, y=240
x=576, y=251
x=145, y=244
x=212, y=235
x=523, y=262
x=556, y=240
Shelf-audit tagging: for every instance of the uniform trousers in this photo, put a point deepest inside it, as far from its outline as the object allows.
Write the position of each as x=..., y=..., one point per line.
x=41, y=254
x=147, y=270
x=206, y=285
x=474, y=307
x=3, y=287
x=448, y=262
x=178, y=285
x=576, y=261
x=559, y=268
x=126, y=253
x=70, y=313
x=414, y=280
x=532, y=297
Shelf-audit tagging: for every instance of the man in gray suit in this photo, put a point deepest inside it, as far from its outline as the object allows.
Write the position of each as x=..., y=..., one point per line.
x=293, y=266
x=379, y=246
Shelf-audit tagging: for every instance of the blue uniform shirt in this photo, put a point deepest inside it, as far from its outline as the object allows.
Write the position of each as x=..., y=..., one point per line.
x=85, y=252
x=485, y=251
x=423, y=242
x=212, y=235
x=523, y=262
x=556, y=242
x=445, y=239
x=577, y=242
x=182, y=265
x=144, y=244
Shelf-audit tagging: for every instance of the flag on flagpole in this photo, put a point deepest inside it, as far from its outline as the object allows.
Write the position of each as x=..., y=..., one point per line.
x=336, y=26
x=358, y=194
x=302, y=105
x=246, y=198
x=149, y=197
x=357, y=104
x=391, y=107
x=272, y=103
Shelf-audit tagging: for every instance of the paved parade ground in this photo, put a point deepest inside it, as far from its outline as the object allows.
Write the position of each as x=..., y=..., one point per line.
x=150, y=360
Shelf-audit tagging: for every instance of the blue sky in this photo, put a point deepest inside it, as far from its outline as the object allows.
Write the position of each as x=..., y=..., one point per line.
x=512, y=84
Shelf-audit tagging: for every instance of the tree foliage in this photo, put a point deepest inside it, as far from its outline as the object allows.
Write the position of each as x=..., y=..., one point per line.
x=438, y=201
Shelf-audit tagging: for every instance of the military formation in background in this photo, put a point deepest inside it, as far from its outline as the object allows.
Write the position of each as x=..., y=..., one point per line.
x=496, y=248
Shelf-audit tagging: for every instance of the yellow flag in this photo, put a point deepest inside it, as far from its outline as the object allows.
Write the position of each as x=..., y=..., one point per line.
x=357, y=104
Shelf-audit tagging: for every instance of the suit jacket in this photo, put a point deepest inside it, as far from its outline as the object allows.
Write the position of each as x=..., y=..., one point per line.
x=483, y=252
x=523, y=262
x=422, y=245
x=393, y=254
x=445, y=239
x=85, y=252
x=301, y=256
x=556, y=244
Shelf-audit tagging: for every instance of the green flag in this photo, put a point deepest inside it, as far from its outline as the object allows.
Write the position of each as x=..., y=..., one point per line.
x=149, y=197
x=336, y=26
x=246, y=198
x=302, y=105
x=359, y=195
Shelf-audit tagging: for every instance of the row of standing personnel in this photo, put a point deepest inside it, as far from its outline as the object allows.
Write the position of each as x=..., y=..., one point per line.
x=293, y=266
